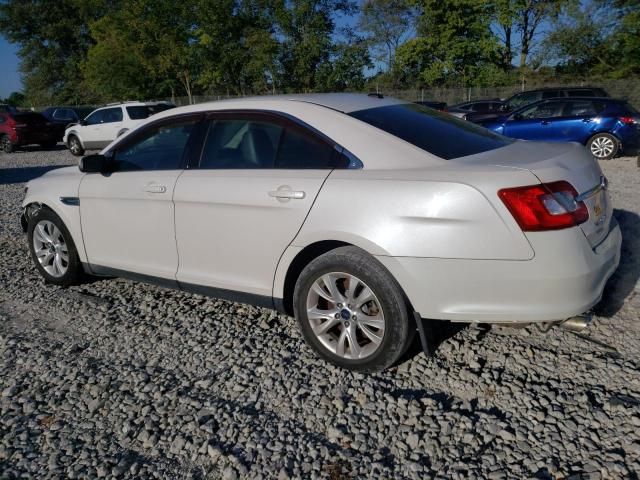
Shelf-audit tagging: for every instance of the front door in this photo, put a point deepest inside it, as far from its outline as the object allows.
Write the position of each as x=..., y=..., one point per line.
x=535, y=122
x=128, y=215
x=237, y=212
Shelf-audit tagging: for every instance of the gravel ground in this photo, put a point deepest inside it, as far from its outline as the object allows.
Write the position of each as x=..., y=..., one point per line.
x=118, y=379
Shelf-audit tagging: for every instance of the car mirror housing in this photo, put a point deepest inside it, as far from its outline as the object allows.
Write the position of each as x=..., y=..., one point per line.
x=94, y=164
x=82, y=122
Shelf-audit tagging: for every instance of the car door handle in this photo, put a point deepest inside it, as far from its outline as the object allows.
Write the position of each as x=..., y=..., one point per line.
x=155, y=188
x=287, y=193
x=545, y=122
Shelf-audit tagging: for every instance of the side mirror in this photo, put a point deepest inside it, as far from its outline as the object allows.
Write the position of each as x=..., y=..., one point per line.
x=94, y=164
x=82, y=122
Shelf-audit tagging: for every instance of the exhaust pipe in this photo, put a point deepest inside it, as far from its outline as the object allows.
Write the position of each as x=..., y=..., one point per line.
x=577, y=323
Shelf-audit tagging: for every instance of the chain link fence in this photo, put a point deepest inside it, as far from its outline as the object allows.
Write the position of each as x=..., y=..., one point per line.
x=628, y=89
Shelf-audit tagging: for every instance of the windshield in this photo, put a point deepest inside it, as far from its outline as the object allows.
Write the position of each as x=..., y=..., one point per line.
x=435, y=132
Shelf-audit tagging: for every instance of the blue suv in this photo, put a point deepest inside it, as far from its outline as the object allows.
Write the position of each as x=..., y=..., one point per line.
x=606, y=126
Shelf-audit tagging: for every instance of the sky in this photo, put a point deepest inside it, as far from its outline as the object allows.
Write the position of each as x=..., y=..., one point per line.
x=9, y=75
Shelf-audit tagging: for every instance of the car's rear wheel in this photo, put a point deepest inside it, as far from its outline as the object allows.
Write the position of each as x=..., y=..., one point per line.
x=52, y=249
x=5, y=144
x=75, y=147
x=351, y=310
x=603, y=146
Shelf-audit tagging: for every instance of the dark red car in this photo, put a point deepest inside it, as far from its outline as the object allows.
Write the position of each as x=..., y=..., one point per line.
x=26, y=128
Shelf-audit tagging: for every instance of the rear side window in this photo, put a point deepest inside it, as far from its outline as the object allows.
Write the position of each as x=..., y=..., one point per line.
x=64, y=114
x=552, y=94
x=581, y=93
x=138, y=112
x=158, y=148
x=264, y=144
x=578, y=108
x=438, y=133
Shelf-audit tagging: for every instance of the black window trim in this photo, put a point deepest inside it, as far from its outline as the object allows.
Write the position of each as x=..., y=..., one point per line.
x=190, y=148
x=282, y=119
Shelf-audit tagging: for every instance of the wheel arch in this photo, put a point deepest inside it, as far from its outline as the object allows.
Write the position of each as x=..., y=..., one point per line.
x=69, y=215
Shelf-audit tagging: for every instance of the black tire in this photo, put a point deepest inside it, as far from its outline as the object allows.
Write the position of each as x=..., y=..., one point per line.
x=74, y=145
x=399, y=329
x=603, y=146
x=6, y=145
x=74, y=270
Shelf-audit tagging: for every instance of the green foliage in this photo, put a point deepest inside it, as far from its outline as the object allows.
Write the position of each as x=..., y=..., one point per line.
x=454, y=44
x=16, y=99
x=83, y=51
x=386, y=24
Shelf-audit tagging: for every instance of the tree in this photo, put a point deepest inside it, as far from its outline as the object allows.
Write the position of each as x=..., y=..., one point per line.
x=518, y=24
x=454, y=43
x=54, y=39
x=601, y=39
x=346, y=69
x=306, y=28
x=16, y=99
x=386, y=24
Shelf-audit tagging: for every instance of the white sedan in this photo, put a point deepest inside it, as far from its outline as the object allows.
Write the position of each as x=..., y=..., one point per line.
x=360, y=215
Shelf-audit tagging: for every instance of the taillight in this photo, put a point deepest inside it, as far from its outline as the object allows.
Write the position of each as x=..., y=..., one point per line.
x=628, y=120
x=548, y=206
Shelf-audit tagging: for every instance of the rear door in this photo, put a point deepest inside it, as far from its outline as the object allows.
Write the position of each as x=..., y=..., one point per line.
x=577, y=120
x=245, y=201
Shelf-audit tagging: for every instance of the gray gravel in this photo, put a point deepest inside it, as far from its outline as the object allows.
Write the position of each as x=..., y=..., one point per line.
x=118, y=379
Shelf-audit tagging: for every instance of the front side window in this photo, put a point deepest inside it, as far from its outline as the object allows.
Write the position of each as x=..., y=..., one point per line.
x=258, y=143
x=520, y=99
x=112, y=115
x=435, y=132
x=64, y=114
x=542, y=110
x=94, y=118
x=159, y=147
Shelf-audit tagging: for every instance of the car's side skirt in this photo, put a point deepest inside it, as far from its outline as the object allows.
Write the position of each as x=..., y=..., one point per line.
x=222, y=293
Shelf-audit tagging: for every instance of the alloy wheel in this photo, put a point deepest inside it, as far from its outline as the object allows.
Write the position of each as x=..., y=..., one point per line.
x=345, y=315
x=602, y=147
x=74, y=146
x=51, y=248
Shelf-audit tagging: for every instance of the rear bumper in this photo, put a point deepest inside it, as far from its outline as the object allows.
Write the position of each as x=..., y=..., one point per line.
x=565, y=278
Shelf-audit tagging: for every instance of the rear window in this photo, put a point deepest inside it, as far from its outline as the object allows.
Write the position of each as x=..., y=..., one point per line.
x=438, y=133
x=629, y=110
x=138, y=113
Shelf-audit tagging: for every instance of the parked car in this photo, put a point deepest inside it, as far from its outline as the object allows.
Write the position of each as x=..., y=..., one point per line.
x=462, y=110
x=606, y=126
x=25, y=128
x=531, y=96
x=441, y=106
x=105, y=124
x=350, y=212
x=8, y=108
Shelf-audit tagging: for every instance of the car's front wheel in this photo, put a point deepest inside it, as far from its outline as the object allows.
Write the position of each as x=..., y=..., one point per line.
x=351, y=310
x=75, y=146
x=52, y=249
x=603, y=146
x=5, y=144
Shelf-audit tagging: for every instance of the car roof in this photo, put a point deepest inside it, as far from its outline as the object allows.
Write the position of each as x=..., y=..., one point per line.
x=599, y=99
x=341, y=102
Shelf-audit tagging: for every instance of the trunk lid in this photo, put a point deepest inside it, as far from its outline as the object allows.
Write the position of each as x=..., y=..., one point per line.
x=551, y=162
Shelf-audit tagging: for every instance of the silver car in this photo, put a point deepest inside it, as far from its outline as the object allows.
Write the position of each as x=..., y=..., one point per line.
x=360, y=215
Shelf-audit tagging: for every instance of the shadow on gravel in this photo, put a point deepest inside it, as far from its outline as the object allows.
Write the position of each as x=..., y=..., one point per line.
x=624, y=280
x=9, y=176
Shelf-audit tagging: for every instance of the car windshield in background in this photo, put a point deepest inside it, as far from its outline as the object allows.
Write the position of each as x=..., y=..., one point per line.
x=139, y=112
x=437, y=133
